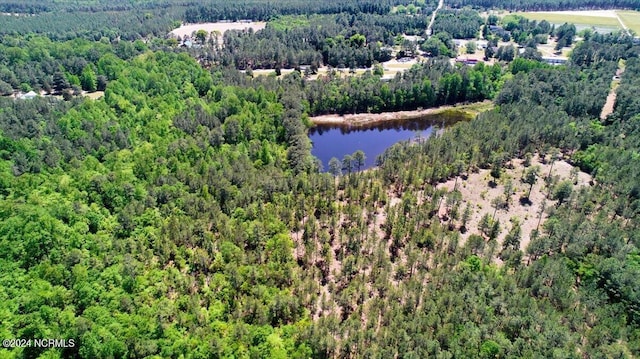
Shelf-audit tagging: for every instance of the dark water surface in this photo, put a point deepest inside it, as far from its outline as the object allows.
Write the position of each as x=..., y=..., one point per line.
x=373, y=140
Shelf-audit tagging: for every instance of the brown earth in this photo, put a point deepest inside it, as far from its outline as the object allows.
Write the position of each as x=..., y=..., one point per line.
x=221, y=27
x=477, y=192
x=362, y=119
x=607, y=109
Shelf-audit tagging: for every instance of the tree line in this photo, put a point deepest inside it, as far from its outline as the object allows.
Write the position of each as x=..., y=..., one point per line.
x=217, y=10
x=547, y=5
x=183, y=215
x=112, y=20
x=138, y=184
x=339, y=40
x=432, y=83
x=374, y=269
x=460, y=24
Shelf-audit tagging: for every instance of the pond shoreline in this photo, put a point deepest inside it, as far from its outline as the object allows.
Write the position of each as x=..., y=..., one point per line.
x=366, y=119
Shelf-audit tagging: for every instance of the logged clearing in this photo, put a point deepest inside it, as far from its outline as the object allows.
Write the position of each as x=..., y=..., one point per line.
x=391, y=68
x=326, y=239
x=322, y=71
x=476, y=191
x=607, y=109
x=549, y=49
x=221, y=27
x=94, y=95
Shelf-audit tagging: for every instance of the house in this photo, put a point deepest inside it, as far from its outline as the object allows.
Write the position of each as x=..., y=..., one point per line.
x=459, y=42
x=499, y=30
x=467, y=61
x=28, y=96
x=555, y=60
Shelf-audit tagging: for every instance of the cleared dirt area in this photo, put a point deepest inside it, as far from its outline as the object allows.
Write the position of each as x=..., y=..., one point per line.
x=607, y=109
x=222, y=27
x=476, y=191
x=322, y=71
x=549, y=49
x=609, y=105
x=362, y=119
x=479, y=53
x=94, y=95
x=391, y=68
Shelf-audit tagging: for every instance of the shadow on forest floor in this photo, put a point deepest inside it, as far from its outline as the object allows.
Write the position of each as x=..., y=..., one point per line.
x=525, y=201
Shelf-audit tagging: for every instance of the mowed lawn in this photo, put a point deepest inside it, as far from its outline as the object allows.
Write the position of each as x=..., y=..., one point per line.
x=561, y=18
x=631, y=19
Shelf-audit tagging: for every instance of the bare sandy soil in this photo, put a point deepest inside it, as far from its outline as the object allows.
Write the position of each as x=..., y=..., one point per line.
x=361, y=119
x=549, y=50
x=222, y=27
x=609, y=104
x=94, y=95
x=475, y=191
x=391, y=68
x=394, y=63
x=607, y=109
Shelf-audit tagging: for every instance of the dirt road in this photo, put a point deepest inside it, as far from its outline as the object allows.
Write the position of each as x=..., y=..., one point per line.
x=433, y=17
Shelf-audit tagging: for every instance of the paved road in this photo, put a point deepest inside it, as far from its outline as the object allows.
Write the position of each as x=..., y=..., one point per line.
x=433, y=17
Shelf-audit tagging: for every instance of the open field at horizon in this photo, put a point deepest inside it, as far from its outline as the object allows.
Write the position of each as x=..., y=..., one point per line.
x=631, y=19
x=605, y=19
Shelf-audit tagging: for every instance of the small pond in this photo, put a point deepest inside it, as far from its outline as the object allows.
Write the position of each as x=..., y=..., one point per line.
x=337, y=141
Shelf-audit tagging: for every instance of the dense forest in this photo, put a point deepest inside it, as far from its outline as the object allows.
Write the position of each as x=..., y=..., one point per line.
x=55, y=67
x=21, y=7
x=339, y=40
x=260, y=10
x=66, y=20
x=432, y=83
x=182, y=215
x=547, y=5
x=134, y=266
x=460, y=24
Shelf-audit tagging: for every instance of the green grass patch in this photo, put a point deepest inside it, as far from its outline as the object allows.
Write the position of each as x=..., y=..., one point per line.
x=631, y=19
x=465, y=112
x=555, y=18
x=286, y=22
x=475, y=108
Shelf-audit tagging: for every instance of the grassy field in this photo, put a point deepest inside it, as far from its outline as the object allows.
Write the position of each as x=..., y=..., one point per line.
x=288, y=22
x=558, y=18
x=631, y=19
